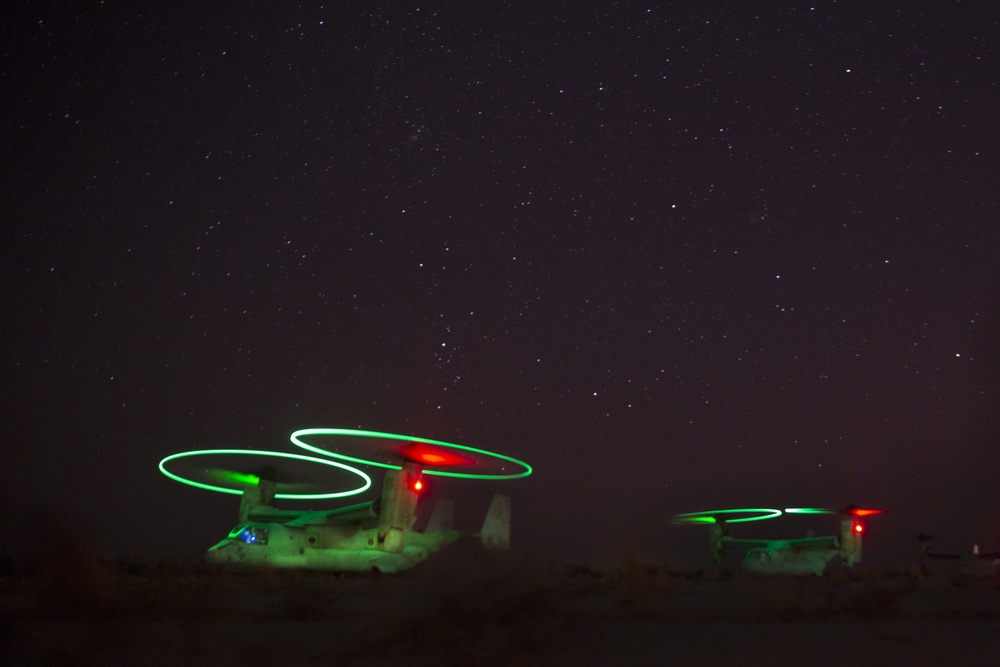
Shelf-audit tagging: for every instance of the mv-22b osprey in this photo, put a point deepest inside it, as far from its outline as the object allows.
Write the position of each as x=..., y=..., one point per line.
x=374, y=536
x=803, y=555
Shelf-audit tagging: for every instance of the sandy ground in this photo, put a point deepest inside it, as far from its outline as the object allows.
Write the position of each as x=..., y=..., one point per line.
x=469, y=609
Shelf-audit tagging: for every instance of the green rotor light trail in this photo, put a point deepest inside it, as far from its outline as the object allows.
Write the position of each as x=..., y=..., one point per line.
x=251, y=479
x=475, y=454
x=241, y=478
x=244, y=479
x=809, y=510
x=710, y=516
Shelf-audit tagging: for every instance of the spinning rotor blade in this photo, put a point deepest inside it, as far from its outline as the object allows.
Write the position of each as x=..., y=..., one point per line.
x=850, y=510
x=429, y=455
x=240, y=478
x=389, y=450
x=854, y=510
x=232, y=477
x=233, y=470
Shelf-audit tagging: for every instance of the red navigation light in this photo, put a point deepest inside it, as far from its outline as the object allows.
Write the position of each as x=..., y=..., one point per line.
x=858, y=528
x=417, y=486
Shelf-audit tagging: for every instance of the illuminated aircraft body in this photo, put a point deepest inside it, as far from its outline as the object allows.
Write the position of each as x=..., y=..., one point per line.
x=975, y=563
x=797, y=556
x=375, y=536
x=366, y=537
x=806, y=555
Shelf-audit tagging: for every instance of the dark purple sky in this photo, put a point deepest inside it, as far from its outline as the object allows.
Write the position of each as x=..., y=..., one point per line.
x=677, y=258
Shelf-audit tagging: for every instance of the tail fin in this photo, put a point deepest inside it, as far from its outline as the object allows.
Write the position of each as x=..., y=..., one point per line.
x=442, y=518
x=496, y=528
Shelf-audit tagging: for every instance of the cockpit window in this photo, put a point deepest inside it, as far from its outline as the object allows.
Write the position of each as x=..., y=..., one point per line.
x=251, y=534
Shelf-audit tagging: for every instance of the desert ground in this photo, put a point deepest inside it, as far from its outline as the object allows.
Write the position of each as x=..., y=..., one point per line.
x=487, y=609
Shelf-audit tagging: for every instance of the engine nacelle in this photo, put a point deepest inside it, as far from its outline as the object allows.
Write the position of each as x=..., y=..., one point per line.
x=716, y=533
x=851, y=531
x=398, y=509
x=260, y=494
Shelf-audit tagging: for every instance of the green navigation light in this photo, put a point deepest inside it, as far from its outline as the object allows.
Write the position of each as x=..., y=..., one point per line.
x=245, y=480
x=526, y=469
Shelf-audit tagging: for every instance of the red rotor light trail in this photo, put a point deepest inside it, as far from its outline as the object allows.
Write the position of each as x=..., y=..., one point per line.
x=430, y=455
x=864, y=512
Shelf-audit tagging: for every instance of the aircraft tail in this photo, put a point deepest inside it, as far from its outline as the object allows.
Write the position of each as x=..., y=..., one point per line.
x=496, y=528
x=442, y=518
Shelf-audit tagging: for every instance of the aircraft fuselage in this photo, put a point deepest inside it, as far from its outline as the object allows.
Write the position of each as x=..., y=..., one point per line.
x=338, y=547
x=788, y=561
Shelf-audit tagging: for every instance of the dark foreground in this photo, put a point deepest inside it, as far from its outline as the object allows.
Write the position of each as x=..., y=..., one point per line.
x=476, y=610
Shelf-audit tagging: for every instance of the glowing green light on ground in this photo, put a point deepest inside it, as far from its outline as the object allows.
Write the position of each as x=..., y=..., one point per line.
x=712, y=516
x=296, y=439
x=366, y=483
x=809, y=510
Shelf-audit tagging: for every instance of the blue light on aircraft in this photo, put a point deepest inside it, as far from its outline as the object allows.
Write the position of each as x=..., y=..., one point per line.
x=254, y=535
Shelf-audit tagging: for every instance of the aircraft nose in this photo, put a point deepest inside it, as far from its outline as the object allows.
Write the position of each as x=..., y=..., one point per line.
x=217, y=555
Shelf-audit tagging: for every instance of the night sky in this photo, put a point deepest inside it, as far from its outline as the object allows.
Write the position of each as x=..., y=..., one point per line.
x=677, y=256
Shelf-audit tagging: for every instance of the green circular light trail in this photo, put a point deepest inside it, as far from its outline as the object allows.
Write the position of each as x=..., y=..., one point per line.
x=366, y=484
x=809, y=510
x=759, y=514
x=296, y=439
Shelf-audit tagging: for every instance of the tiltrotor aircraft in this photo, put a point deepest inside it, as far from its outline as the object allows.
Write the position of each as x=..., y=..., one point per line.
x=804, y=555
x=976, y=563
x=373, y=536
